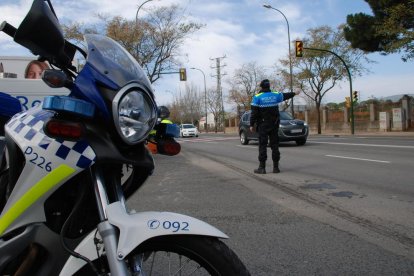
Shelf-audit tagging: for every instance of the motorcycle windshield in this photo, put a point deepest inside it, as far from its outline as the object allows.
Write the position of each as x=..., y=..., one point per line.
x=112, y=61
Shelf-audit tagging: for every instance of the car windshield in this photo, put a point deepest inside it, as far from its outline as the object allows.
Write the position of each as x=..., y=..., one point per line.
x=285, y=116
x=188, y=126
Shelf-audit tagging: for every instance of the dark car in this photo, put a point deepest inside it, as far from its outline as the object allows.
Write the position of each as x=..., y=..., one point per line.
x=290, y=129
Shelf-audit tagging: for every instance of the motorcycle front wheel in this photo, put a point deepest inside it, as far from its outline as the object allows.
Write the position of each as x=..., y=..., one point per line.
x=185, y=255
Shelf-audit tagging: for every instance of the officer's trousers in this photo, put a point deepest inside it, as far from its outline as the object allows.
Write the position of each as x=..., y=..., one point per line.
x=268, y=133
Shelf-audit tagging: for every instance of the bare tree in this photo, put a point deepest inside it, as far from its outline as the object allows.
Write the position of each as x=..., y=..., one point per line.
x=154, y=41
x=176, y=110
x=192, y=104
x=244, y=83
x=281, y=84
x=187, y=107
x=214, y=105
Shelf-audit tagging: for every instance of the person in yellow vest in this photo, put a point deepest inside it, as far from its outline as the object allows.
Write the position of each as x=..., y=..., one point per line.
x=163, y=115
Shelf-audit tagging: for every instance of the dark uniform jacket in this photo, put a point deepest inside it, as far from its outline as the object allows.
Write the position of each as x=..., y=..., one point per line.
x=265, y=110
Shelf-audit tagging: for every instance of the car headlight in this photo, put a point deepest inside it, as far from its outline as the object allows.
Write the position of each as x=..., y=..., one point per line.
x=134, y=113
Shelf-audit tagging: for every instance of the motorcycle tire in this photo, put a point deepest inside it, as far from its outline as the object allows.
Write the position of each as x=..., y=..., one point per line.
x=195, y=255
x=180, y=255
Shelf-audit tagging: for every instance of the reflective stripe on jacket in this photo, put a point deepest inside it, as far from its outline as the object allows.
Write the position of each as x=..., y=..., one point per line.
x=163, y=121
x=166, y=121
x=265, y=107
x=267, y=99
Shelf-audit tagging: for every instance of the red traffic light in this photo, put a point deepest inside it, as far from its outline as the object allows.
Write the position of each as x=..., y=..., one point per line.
x=299, y=48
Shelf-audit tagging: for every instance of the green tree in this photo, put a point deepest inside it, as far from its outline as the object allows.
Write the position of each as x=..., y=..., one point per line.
x=317, y=72
x=154, y=41
x=388, y=30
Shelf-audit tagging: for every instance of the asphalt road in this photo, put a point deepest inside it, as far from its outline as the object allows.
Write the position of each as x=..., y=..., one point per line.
x=341, y=206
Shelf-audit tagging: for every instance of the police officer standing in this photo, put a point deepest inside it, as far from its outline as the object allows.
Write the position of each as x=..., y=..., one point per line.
x=265, y=115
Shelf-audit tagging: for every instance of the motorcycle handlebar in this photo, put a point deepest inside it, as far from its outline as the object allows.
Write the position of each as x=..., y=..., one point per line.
x=8, y=29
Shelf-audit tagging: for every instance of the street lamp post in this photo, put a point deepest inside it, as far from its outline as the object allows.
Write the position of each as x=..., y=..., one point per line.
x=290, y=56
x=205, y=96
x=140, y=6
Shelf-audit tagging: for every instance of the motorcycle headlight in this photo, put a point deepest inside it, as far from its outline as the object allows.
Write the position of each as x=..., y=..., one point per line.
x=134, y=112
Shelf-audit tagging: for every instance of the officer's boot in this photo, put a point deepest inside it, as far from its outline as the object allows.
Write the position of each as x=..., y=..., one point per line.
x=276, y=167
x=261, y=169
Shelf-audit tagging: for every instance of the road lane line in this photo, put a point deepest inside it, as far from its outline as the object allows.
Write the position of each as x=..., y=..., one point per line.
x=247, y=147
x=366, y=145
x=200, y=140
x=361, y=159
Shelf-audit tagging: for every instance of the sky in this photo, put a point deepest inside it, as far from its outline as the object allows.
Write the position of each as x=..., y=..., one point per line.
x=241, y=31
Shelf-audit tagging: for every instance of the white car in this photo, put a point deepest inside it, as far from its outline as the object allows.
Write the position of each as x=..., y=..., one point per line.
x=188, y=130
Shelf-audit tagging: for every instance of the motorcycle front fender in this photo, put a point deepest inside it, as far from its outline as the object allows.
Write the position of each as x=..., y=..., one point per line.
x=135, y=228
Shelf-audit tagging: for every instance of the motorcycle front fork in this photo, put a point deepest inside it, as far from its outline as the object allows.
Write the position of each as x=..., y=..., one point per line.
x=106, y=230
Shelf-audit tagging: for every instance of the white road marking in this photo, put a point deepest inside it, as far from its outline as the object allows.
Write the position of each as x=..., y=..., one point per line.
x=247, y=147
x=197, y=140
x=366, y=145
x=361, y=159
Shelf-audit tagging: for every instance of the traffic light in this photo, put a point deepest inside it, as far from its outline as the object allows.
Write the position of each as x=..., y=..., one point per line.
x=183, y=74
x=299, y=48
x=347, y=102
x=355, y=96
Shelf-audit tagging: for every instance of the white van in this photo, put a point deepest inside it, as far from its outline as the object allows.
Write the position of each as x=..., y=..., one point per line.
x=29, y=92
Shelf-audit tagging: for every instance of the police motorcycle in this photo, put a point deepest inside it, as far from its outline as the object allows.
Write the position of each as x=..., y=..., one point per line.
x=63, y=207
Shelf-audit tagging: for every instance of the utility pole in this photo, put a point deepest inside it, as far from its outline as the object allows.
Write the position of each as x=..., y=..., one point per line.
x=205, y=97
x=218, y=75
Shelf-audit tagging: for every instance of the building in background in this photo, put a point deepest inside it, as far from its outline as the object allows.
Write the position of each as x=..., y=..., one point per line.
x=210, y=121
x=15, y=66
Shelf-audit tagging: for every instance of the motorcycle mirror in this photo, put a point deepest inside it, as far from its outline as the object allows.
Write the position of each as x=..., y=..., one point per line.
x=56, y=79
x=41, y=33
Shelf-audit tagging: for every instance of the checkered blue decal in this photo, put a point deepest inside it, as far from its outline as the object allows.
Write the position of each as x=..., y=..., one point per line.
x=31, y=128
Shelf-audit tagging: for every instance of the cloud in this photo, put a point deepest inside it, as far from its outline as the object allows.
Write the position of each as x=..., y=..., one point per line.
x=13, y=13
x=243, y=30
x=213, y=7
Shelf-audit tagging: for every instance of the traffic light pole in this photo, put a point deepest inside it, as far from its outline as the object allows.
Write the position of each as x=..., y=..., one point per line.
x=350, y=84
x=182, y=72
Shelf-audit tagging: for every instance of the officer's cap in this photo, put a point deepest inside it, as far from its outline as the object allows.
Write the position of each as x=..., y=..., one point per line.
x=265, y=84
